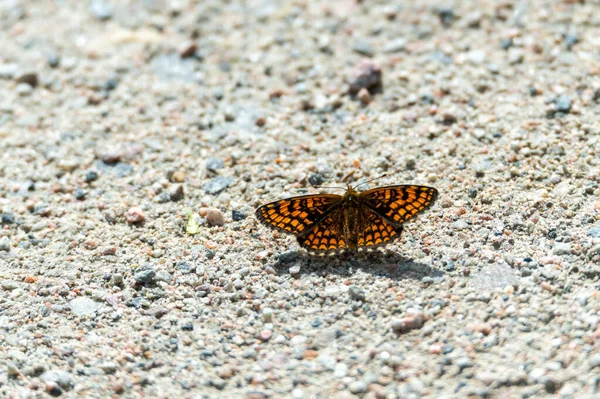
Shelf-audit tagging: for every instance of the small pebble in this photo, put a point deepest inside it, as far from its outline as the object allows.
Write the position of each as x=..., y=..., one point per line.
x=395, y=45
x=135, y=216
x=365, y=75
x=179, y=176
x=363, y=47
x=218, y=184
x=83, y=306
x=294, y=270
x=414, y=320
x=357, y=293
x=214, y=164
x=265, y=335
x=364, y=96
x=91, y=175
x=236, y=216
x=214, y=217
x=144, y=276
x=563, y=104
x=561, y=248
x=176, y=193
x=29, y=78
x=5, y=244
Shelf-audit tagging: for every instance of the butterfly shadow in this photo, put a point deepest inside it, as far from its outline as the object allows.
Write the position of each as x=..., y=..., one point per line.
x=381, y=264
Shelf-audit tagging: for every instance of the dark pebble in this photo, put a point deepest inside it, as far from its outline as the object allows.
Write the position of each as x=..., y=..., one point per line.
x=533, y=91
x=218, y=184
x=214, y=164
x=357, y=293
x=446, y=16
x=365, y=75
x=563, y=104
x=316, y=322
x=30, y=78
x=91, y=175
x=218, y=93
x=177, y=193
x=552, y=234
x=111, y=84
x=527, y=259
x=571, y=40
x=316, y=179
x=7, y=218
x=144, y=276
x=506, y=43
x=53, y=60
x=472, y=193
x=80, y=194
x=236, y=216
x=189, y=326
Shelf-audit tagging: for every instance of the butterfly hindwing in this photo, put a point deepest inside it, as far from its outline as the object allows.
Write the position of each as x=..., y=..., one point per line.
x=326, y=235
x=376, y=231
x=398, y=204
x=295, y=215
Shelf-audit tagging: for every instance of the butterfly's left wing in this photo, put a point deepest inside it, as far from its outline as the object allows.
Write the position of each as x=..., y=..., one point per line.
x=297, y=214
x=398, y=204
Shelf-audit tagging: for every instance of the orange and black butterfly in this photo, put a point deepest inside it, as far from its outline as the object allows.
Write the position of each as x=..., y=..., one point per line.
x=328, y=223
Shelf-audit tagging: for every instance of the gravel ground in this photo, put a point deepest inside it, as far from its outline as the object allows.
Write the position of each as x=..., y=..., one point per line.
x=117, y=119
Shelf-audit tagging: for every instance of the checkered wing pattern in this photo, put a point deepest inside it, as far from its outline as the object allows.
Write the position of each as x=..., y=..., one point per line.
x=376, y=231
x=297, y=214
x=327, y=235
x=398, y=204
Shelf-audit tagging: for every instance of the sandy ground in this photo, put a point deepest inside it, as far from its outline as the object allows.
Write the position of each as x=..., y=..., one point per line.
x=119, y=118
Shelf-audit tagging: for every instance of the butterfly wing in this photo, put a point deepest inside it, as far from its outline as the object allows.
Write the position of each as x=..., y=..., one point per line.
x=375, y=231
x=398, y=204
x=297, y=214
x=326, y=236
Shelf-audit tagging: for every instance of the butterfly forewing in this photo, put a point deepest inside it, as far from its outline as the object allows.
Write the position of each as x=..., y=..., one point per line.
x=398, y=204
x=295, y=215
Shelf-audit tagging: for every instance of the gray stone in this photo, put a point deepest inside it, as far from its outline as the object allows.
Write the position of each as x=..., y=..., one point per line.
x=594, y=232
x=496, y=276
x=60, y=377
x=395, y=45
x=4, y=244
x=144, y=276
x=563, y=104
x=357, y=293
x=218, y=184
x=214, y=164
x=84, y=306
x=561, y=248
x=459, y=225
x=364, y=48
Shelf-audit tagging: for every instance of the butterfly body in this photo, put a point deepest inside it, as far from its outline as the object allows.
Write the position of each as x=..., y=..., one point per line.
x=326, y=223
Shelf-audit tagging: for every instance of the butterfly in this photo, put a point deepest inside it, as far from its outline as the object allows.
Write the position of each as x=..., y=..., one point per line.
x=330, y=223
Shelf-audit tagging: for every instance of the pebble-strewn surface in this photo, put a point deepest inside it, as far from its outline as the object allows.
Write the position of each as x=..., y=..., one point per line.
x=119, y=118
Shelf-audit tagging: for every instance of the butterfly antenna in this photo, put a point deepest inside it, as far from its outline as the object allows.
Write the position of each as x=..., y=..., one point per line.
x=370, y=180
x=337, y=188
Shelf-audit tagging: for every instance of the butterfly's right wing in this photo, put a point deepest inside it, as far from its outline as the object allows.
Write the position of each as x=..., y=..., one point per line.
x=297, y=214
